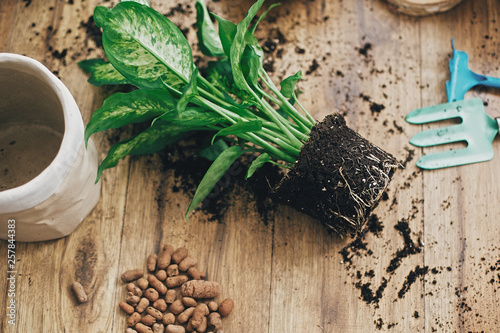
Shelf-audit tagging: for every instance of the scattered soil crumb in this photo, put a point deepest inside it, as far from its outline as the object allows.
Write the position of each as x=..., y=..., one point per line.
x=364, y=49
x=411, y=278
x=367, y=294
x=354, y=248
x=374, y=225
x=409, y=246
x=299, y=50
x=60, y=55
x=397, y=127
x=314, y=66
x=409, y=157
x=375, y=108
x=177, y=9
x=271, y=47
x=462, y=304
x=92, y=31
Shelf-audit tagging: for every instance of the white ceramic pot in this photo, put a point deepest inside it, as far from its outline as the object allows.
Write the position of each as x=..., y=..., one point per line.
x=47, y=176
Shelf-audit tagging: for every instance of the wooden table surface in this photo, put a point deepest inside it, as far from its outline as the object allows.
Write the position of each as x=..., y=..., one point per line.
x=286, y=272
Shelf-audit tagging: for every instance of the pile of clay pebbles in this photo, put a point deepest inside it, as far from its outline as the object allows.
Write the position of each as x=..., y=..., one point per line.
x=174, y=298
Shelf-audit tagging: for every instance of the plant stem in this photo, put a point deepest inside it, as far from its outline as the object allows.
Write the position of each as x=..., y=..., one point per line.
x=303, y=137
x=280, y=142
x=279, y=154
x=288, y=152
x=311, y=119
x=229, y=115
x=210, y=86
x=308, y=120
x=297, y=134
x=271, y=113
x=303, y=128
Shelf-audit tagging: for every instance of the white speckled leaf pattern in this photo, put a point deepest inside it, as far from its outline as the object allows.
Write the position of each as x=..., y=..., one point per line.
x=121, y=109
x=143, y=45
x=102, y=72
x=151, y=140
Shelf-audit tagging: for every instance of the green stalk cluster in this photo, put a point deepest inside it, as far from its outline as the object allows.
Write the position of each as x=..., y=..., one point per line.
x=237, y=99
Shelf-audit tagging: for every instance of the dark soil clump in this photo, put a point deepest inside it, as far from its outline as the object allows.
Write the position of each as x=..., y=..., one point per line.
x=375, y=108
x=418, y=272
x=368, y=296
x=60, y=55
x=408, y=249
x=339, y=177
x=189, y=169
x=271, y=47
x=314, y=66
x=374, y=225
x=92, y=31
x=364, y=49
x=260, y=185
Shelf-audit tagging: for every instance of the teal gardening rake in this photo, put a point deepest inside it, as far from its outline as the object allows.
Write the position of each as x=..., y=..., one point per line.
x=477, y=129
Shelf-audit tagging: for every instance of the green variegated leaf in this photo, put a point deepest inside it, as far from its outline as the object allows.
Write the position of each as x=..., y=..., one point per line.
x=102, y=72
x=239, y=43
x=218, y=168
x=208, y=38
x=236, y=98
x=220, y=75
x=250, y=64
x=257, y=164
x=227, y=31
x=142, y=2
x=212, y=151
x=194, y=117
x=189, y=92
x=262, y=17
x=288, y=84
x=144, y=46
x=240, y=127
x=121, y=109
x=198, y=117
x=153, y=139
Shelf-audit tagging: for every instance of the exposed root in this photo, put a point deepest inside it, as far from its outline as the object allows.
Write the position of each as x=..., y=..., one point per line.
x=339, y=177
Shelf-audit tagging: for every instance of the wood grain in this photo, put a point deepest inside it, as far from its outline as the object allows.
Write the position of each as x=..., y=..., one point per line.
x=286, y=274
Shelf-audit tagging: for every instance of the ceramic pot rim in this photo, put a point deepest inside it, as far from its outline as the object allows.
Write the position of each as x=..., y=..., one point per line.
x=47, y=182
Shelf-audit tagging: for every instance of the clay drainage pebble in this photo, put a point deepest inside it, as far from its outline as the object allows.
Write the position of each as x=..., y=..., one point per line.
x=174, y=297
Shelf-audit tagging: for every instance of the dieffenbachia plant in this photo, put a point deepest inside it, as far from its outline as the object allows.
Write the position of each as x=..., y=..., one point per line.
x=236, y=99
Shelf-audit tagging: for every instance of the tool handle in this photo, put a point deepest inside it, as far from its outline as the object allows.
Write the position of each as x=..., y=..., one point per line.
x=489, y=81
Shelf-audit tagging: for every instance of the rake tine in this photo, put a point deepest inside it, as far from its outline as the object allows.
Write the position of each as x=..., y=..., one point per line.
x=453, y=158
x=442, y=111
x=439, y=136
